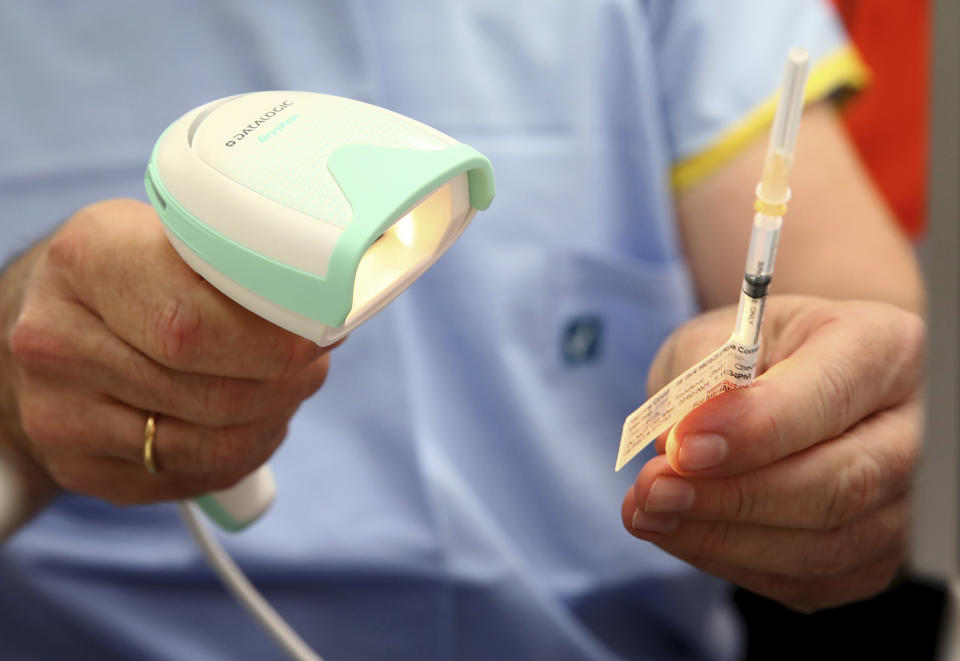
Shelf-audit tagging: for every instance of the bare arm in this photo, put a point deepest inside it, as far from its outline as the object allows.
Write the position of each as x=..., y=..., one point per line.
x=839, y=239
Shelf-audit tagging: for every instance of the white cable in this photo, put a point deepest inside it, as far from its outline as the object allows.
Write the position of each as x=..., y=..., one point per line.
x=243, y=591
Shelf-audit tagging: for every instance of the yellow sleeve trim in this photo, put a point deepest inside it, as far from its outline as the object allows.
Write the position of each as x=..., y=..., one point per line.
x=842, y=68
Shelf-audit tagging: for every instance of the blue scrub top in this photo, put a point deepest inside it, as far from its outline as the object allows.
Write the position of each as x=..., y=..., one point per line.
x=449, y=493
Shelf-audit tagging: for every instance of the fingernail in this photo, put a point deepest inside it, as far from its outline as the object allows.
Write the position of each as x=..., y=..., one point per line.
x=669, y=494
x=652, y=523
x=699, y=451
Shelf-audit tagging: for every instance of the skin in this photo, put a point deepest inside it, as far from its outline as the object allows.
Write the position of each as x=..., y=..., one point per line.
x=102, y=323
x=800, y=491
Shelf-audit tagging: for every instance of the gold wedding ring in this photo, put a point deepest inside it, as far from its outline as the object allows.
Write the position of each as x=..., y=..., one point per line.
x=149, y=435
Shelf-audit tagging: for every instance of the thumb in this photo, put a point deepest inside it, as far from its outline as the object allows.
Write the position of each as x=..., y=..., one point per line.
x=853, y=360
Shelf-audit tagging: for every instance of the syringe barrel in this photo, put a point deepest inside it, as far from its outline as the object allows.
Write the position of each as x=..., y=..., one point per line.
x=761, y=255
x=749, y=316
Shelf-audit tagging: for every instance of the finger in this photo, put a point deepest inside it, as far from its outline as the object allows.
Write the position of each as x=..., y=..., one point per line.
x=843, y=371
x=151, y=299
x=85, y=354
x=65, y=423
x=212, y=401
x=181, y=447
x=784, y=551
x=817, y=489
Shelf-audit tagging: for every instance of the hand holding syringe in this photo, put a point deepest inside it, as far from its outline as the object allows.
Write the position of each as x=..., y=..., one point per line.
x=798, y=487
x=733, y=365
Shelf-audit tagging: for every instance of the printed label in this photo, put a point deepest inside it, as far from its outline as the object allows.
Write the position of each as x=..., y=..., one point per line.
x=731, y=366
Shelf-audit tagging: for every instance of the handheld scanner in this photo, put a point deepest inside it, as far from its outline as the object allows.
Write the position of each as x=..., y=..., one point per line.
x=312, y=211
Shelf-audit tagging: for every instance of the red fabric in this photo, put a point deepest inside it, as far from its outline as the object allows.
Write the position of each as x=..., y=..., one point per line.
x=889, y=119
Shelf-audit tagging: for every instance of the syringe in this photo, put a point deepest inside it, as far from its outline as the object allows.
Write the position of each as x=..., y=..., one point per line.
x=772, y=195
x=734, y=364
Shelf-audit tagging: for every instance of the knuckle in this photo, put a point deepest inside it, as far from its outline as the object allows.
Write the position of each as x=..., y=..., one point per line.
x=913, y=344
x=766, y=429
x=288, y=350
x=901, y=461
x=247, y=456
x=110, y=208
x=175, y=331
x=716, y=539
x=217, y=452
x=291, y=353
x=913, y=331
x=738, y=502
x=67, y=247
x=854, y=489
x=897, y=452
x=32, y=341
x=835, y=394
x=835, y=553
x=861, y=546
x=224, y=399
x=232, y=449
x=238, y=449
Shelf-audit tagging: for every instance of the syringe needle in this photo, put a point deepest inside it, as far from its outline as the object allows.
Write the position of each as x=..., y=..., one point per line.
x=733, y=365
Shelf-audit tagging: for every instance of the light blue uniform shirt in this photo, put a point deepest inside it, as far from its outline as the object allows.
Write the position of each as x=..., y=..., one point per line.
x=449, y=493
